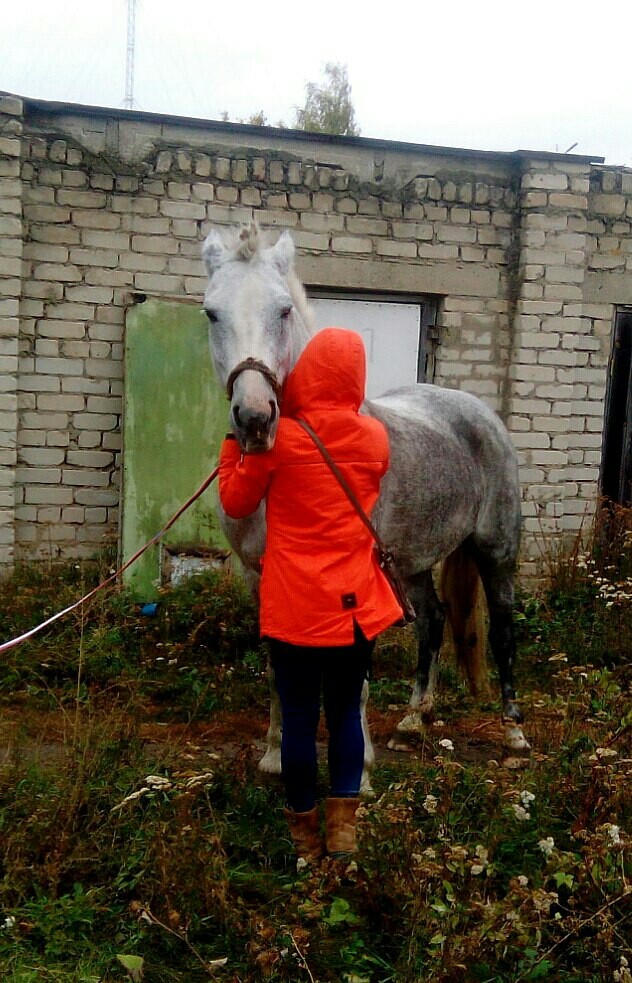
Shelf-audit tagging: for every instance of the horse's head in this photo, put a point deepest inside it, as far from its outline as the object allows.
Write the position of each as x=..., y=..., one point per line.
x=257, y=309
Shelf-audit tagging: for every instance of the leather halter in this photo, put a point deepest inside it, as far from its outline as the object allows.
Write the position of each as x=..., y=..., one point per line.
x=254, y=365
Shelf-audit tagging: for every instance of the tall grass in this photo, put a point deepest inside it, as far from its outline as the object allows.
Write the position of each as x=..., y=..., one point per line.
x=168, y=860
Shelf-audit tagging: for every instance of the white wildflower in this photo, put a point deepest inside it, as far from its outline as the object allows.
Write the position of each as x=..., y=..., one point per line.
x=622, y=975
x=527, y=798
x=547, y=846
x=447, y=744
x=520, y=813
x=9, y=923
x=430, y=804
x=613, y=833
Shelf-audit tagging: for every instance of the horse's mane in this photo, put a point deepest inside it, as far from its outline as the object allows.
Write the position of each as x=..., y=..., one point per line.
x=250, y=245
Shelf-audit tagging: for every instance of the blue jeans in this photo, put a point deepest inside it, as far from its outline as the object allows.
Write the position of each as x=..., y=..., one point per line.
x=300, y=674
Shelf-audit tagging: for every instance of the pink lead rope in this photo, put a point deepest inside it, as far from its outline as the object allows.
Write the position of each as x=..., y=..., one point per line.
x=6, y=646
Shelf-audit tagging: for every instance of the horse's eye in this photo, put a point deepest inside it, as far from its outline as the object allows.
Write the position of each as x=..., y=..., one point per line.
x=212, y=316
x=285, y=313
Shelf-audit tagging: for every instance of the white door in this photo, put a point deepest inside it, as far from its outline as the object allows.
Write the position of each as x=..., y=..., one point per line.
x=391, y=333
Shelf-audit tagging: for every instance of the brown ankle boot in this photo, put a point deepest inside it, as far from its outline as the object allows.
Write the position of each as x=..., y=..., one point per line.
x=341, y=825
x=305, y=833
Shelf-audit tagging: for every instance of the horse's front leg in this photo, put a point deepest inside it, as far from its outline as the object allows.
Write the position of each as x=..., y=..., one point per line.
x=429, y=628
x=369, y=754
x=271, y=761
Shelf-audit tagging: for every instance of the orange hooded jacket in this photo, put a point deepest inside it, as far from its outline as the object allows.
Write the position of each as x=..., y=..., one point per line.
x=319, y=571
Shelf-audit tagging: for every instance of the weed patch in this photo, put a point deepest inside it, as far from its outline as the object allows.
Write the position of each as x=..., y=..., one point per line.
x=130, y=843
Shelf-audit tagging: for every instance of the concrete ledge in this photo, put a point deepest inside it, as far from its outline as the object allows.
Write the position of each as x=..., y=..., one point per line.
x=439, y=278
x=608, y=288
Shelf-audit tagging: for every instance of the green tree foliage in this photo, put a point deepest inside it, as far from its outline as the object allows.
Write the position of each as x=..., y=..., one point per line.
x=328, y=107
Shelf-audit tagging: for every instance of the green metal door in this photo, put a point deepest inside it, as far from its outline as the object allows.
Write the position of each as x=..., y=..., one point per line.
x=175, y=417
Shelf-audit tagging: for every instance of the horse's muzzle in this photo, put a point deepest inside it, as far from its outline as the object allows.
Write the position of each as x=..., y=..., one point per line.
x=253, y=391
x=255, y=429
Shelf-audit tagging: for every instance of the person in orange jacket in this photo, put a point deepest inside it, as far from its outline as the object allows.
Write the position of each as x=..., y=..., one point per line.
x=323, y=598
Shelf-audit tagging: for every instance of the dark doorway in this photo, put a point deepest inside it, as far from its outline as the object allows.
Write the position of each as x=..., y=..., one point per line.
x=616, y=466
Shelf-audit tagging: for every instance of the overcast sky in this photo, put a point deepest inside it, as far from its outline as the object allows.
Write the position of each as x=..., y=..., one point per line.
x=484, y=74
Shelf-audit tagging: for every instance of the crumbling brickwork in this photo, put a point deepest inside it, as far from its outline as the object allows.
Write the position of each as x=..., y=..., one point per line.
x=528, y=256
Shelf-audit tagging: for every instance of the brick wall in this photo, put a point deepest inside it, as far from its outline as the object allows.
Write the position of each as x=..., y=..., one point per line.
x=520, y=250
x=11, y=236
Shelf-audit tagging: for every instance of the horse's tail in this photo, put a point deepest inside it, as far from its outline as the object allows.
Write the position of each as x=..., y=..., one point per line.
x=463, y=598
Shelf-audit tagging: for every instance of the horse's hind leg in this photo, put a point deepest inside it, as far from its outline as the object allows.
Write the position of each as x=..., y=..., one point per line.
x=429, y=628
x=498, y=581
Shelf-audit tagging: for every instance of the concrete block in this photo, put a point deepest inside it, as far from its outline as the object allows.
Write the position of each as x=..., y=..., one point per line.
x=473, y=254
x=95, y=295
x=370, y=227
x=391, y=209
x=239, y=170
x=612, y=206
x=154, y=282
x=81, y=199
x=85, y=478
x=135, y=204
x=276, y=172
x=179, y=190
x=300, y=201
x=321, y=223
x=294, y=172
x=568, y=201
x=387, y=247
x=143, y=262
x=97, y=496
x=438, y=252
x=323, y=203
x=37, y=476
x=275, y=201
x=251, y=197
x=347, y=244
x=277, y=217
x=41, y=456
x=228, y=195
x=413, y=230
x=90, y=458
x=97, y=219
x=545, y=181
x=311, y=240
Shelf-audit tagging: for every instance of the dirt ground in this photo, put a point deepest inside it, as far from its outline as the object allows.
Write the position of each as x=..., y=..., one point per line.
x=477, y=738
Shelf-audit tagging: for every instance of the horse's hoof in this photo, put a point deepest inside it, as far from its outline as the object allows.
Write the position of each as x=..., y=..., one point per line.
x=366, y=789
x=515, y=739
x=397, y=744
x=271, y=762
x=412, y=723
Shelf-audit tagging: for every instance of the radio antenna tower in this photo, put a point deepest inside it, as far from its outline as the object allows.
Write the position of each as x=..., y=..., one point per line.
x=129, y=100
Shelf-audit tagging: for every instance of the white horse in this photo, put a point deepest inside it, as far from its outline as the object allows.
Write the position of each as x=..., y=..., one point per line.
x=451, y=493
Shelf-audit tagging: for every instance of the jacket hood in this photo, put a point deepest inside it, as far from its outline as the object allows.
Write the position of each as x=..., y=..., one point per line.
x=330, y=372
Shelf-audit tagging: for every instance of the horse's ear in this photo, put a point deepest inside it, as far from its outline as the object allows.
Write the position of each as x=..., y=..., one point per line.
x=213, y=252
x=283, y=252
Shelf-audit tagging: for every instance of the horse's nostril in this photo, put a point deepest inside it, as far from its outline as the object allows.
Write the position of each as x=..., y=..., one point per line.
x=273, y=411
x=236, y=415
